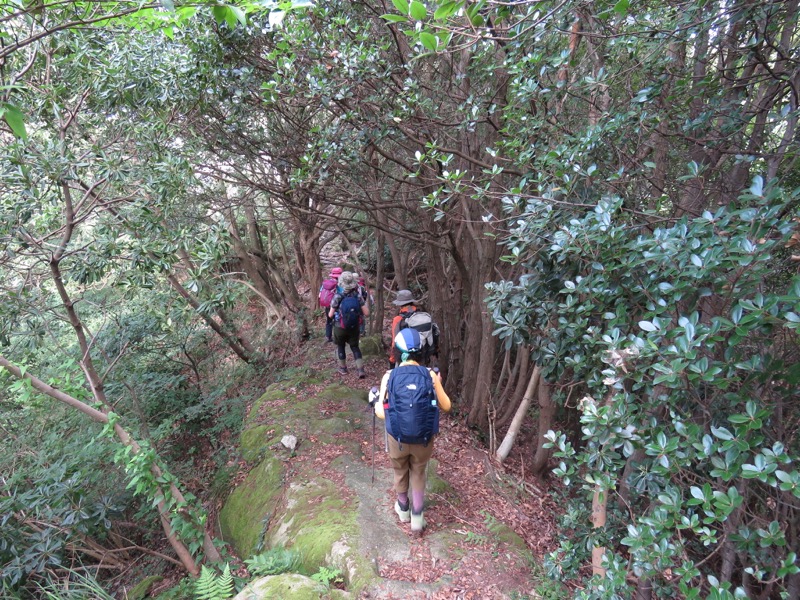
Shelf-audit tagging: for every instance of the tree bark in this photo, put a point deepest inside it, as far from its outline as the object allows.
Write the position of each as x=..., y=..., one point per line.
x=376, y=316
x=599, y=502
x=520, y=385
x=547, y=413
x=511, y=435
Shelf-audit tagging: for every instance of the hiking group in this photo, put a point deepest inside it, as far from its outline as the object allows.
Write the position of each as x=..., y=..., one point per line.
x=411, y=395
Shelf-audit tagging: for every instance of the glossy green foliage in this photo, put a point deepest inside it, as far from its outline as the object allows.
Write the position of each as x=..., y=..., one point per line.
x=44, y=520
x=679, y=336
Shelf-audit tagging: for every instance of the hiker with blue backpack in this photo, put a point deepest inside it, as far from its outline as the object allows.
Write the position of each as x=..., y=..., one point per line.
x=328, y=289
x=348, y=311
x=409, y=400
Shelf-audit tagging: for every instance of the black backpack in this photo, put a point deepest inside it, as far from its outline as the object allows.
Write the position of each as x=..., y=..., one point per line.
x=350, y=312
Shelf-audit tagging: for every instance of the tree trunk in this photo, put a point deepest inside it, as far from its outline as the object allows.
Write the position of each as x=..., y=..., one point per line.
x=599, y=502
x=520, y=385
x=547, y=412
x=624, y=494
x=376, y=316
x=644, y=589
x=308, y=257
x=511, y=435
x=398, y=259
x=730, y=527
x=233, y=344
x=251, y=266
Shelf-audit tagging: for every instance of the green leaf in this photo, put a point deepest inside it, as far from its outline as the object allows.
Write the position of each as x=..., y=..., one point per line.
x=418, y=10
x=647, y=326
x=220, y=13
x=445, y=10
x=428, y=40
x=395, y=18
x=621, y=7
x=401, y=6
x=757, y=189
x=721, y=433
x=239, y=14
x=15, y=119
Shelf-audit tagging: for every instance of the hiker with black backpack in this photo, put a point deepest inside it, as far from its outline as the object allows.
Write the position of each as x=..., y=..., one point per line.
x=327, y=291
x=411, y=315
x=409, y=400
x=348, y=311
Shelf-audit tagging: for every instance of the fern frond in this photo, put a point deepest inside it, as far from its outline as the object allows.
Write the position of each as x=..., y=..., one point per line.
x=205, y=587
x=211, y=586
x=225, y=583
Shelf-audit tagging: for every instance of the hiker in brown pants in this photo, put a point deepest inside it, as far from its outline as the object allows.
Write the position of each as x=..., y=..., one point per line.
x=411, y=396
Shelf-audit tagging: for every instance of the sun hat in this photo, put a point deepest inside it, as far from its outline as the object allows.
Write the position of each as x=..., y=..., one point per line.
x=348, y=281
x=336, y=272
x=404, y=297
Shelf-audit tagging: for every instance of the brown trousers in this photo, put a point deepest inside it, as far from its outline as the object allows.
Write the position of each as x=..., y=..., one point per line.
x=409, y=463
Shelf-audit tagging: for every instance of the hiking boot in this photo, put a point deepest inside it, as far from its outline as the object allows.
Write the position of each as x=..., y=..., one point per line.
x=342, y=370
x=404, y=514
x=361, y=374
x=417, y=522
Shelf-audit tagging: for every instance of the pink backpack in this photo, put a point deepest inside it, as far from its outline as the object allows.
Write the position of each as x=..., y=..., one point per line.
x=327, y=292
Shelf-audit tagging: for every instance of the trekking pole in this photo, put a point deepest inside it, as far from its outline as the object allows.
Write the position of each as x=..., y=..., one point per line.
x=373, y=398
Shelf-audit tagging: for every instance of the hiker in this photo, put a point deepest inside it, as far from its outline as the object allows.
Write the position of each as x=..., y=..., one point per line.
x=411, y=315
x=409, y=400
x=327, y=291
x=348, y=311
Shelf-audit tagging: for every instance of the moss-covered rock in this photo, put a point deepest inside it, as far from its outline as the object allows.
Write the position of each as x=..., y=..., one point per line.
x=333, y=425
x=142, y=589
x=503, y=533
x=371, y=346
x=288, y=586
x=337, y=391
x=434, y=483
x=248, y=510
x=255, y=440
x=319, y=522
x=316, y=516
x=273, y=393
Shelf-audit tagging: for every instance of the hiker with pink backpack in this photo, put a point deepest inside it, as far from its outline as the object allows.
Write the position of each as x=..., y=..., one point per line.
x=330, y=287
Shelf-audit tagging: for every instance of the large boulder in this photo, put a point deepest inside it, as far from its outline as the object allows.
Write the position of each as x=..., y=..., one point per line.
x=245, y=516
x=318, y=521
x=288, y=586
x=372, y=346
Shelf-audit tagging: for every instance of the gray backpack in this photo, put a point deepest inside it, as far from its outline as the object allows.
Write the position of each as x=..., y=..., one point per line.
x=428, y=330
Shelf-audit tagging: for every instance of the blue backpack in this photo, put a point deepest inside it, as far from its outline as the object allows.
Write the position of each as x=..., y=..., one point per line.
x=412, y=413
x=350, y=312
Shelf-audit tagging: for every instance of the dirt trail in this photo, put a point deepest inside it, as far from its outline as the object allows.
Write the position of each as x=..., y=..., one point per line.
x=487, y=529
